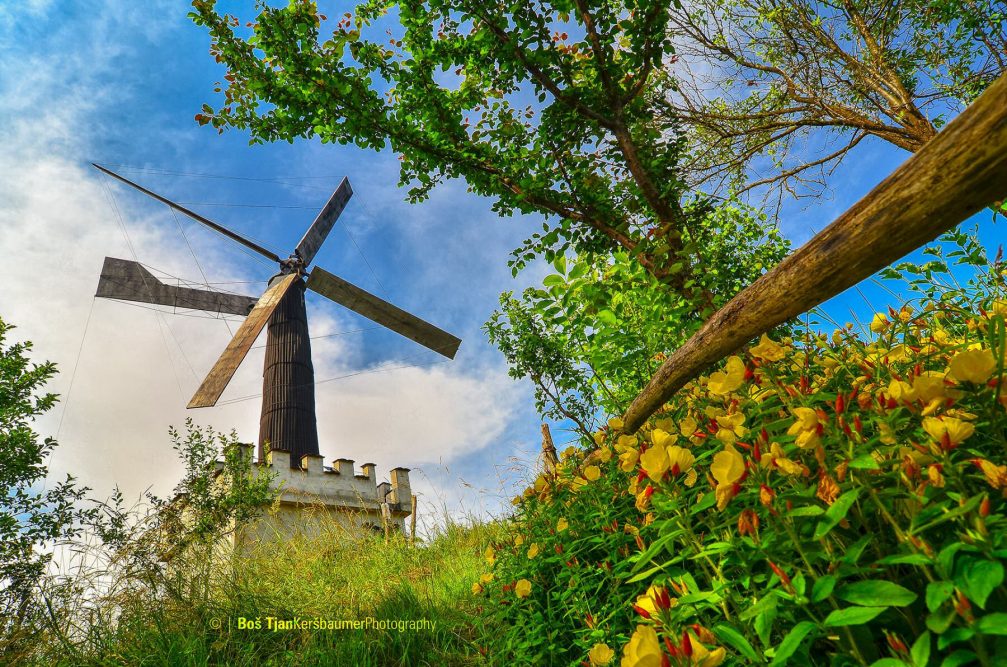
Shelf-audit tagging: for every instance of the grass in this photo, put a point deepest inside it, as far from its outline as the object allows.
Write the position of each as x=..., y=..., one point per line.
x=194, y=617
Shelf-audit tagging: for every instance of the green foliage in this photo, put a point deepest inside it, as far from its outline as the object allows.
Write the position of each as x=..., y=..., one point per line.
x=551, y=108
x=31, y=519
x=599, y=327
x=827, y=501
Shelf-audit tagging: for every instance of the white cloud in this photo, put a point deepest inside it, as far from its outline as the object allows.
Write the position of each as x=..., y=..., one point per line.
x=137, y=368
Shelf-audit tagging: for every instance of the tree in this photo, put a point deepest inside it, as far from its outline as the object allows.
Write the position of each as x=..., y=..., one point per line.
x=777, y=92
x=31, y=519
x=548, y=108
x=596, y=331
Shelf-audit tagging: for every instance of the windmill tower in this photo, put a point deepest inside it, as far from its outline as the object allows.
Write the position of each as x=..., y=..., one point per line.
x=287, y=422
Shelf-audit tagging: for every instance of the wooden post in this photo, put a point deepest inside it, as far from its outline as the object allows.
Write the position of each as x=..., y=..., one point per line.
x=548, y=450
x=956, y=174
x=412, y=521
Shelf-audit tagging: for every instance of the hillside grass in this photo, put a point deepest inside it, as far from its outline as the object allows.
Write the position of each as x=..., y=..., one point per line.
x=193, y=615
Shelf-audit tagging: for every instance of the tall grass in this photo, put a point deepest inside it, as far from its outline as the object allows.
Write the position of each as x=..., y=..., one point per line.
x=193, y=612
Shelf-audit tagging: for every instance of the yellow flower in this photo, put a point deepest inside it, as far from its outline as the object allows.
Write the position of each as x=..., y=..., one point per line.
x=624, y=442
x=724, y=382
x=727, y=468
x=935, y=475
x=577, y=484
x=615, y=423
x=648, y=602
x=687, y=426
x=592, y=473
x=643, y=649
x=974, y=366
x=562, y=525
x=807, y=419
x=522, y=588
x=655, y=462
x=600, y=655
x=948, y=431
x=930, y=387
x=776, y=457
x=476, y=588
x=605, y=454
x=880, y=323
x=901, y=391
x=628, y=459
x=519, y=540
x=533, y=551
x=681, y=460
x=490, y=555
x=768, y=350
x=703, y=657
x=486, y=578
x=995, y=475
x=805, y=428
x=664, y=424
x=599, y=438
x=663, y=438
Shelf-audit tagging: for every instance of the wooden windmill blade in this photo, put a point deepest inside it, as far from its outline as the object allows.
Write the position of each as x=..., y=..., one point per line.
x=378, y=310
x=222, y=372
x=326, y=219
x=130, y=281
x=217, y=227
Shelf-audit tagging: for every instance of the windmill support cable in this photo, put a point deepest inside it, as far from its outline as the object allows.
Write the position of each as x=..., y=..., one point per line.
x=158, y=317
x=957, y=174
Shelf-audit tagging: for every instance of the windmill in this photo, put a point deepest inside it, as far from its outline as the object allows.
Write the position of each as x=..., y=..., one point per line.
x=287, y=421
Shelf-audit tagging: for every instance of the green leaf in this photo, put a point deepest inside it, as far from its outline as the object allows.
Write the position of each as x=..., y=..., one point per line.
x=938, y=592
x=823, y=587
x=958, y=658
x=865, y=462
x=728, y=635
x=608, y=317
x=560, y=264
x=807, y=510
x=993, y=624
x=920, y=651
x=836, y=513
x=889, y=662
x=977, y=578
x=876, y=593
x=792, y=642
x=852, y=616
x=553, y=279
x=939, y=623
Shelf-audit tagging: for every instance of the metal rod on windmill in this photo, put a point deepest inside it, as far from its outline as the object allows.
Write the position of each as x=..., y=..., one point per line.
x=288, y=403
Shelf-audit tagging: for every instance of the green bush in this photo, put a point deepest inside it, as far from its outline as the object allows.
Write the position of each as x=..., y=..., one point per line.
x=826, y=501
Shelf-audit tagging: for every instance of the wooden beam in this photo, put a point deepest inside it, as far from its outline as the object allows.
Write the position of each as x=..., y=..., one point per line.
x=222, y=372
x=378, y=310
x=958, y=173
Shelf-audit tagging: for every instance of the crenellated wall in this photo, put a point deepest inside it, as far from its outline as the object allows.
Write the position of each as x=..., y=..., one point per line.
x=311, y=492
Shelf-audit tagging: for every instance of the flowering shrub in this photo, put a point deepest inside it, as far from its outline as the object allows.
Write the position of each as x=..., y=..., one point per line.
x=827, y=500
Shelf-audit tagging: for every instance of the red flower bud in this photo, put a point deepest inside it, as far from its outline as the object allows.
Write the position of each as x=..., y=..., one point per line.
x=686, y=644
x=984, y=507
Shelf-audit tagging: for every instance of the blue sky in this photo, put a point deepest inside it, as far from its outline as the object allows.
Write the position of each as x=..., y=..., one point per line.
x=118, y=83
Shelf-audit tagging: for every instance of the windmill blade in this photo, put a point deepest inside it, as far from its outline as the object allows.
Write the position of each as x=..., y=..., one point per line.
x=130, y=281
x=221, y=373
x=382, y=312
x=320, y=228
x=234, y=236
